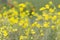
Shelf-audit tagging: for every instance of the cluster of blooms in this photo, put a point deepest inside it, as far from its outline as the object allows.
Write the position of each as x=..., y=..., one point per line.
x=23, y=23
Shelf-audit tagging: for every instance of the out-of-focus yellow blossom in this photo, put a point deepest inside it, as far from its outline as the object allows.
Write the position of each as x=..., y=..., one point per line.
x=32, y=31
x=19, y=18
x=59, y=6
x=58, y=13
x=27, y=11
x=36, y=14
x=21, y=9
x=0, y=15
x=21, y=22
x=43, y=8
x=47, y=6
x=27, y=3
x=33, y=13
x=4, y=7
x=5, y=13
x=46, y=24
x=11, y=10
x=42, y=34
x=22, y=5
x=15, y=13
x=50, y=3
x=27, y=31
x=31, y=37
x=27, y=20
x=54, y=17
x=46, y=16
x=58, y=22
x=23, y=37
x=38, y=25
x=54, y=8
x=15, y=3
x=53, y=27
x=51, y=10
x=25, y=25
x=3, y=27
x=5, y=33
x=14, y=30
x=34, y=24
x=13, y=20
x=39, y=17
x=0, y=32
x=23, y=15
x=31, y=16
x=50, y=16
x=41, y=30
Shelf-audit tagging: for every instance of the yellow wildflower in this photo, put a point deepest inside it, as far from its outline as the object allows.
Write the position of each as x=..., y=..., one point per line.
x=0, y=15
x=22, y=5
x=33, y=13
x=5, y=33
x=21, y=9
x=31, y=37
x=35, y=23
x=25, y=25
x=21, y=22
x=39, y=17
x=38, y=25
x=13, y=20
x=54, y=17
x=14, y=30
x=42, y=34
x=23, y=15
x=46, y=16
x=41, y=30
x=43, y=8
x=36, y=14
x=58, y=22
x=4, y=7
x=50, y=3
x=27, y=11
x=21, y=37
x=5, y=14
x=53, y=27
x=47, y=6
x=58, y=13
x=32, y=31
x=51, y=10
x=59, y=6
x=31, y=16
x=27, y=31
x=15, y=13
x=15, y=3
x=46, y=24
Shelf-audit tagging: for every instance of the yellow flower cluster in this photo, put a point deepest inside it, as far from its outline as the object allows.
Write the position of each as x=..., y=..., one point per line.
x=27, y=23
